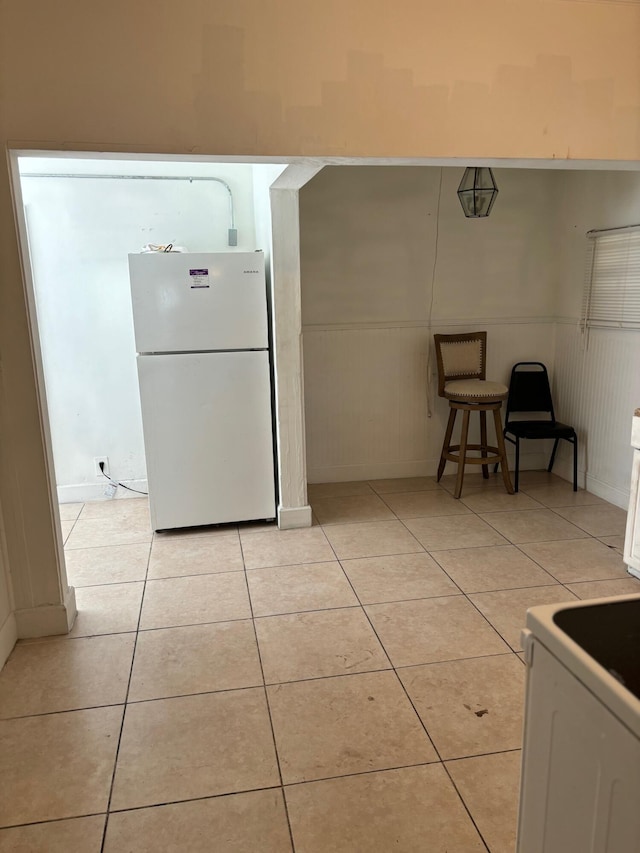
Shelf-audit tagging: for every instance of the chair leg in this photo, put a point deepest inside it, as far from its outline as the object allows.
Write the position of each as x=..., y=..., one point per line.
x=553, y=455
x=517, y=463
x=575, y=463
x=483, y=442
x=446, y=442
x=462, y=453
x=503, y=454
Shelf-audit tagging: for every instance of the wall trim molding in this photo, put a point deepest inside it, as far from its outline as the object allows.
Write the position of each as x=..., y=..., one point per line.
x=8, y=638
x=48, y=620
x=290, y=517
x=83, y=492
x=435, y=324
x=422, y=468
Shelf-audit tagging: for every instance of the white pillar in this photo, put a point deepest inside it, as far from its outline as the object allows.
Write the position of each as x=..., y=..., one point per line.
x=293, y=509
x=37, y=593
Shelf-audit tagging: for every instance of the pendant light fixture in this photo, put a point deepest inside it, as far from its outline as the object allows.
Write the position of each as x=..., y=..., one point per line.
x=477, y=191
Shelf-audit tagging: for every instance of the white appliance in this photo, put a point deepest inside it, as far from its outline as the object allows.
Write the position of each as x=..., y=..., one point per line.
x=632, y=534
x=200, y=324
x=580, y=787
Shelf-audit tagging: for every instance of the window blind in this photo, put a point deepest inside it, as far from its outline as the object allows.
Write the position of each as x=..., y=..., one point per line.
x=612, y=281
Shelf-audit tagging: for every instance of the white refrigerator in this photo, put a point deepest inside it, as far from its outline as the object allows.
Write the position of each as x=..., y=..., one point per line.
x=200, y=323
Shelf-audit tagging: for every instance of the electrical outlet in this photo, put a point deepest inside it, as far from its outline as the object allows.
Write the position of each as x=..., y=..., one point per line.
x=96, y=462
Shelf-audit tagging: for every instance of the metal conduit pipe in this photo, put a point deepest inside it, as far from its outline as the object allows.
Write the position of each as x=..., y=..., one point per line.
x=233, y=232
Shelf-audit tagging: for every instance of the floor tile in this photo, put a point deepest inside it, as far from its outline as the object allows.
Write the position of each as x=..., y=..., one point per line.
x=601, y=520
x=615, y=542
x=285, y=547
x=336, y=490
x=412, y=810
x=69, y=512
x=533, y=525
x=493, y=567
x=125, y=509
x=57, y=765
x=62, y=836
x=372, y=539
x=489, y=785
x=461, y=532
x=95, y=532
x=433, y=629
x=65, y=675
x=404, y=484
x=497, y=500
x=604, y=589
x=561, y=494
x=539, y=477
x=194, y=746
x=197, y=556
x=110, y=609
x=171, y=602
x=290, y=589
x=507, y=609
x=396, y=578
x=240, y=823
x=473, y=481
x=426, y=503
x=95, y=566
x=577, y=560
x=469, y=707
x=314, y=645
x=66, y=527
x=349, y=724
x=343, y=510
x=195, y=659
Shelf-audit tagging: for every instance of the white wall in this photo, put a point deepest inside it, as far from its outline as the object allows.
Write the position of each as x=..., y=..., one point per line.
x=372, y=240
x=264, y=174
x=80, y=232
x=597, y=377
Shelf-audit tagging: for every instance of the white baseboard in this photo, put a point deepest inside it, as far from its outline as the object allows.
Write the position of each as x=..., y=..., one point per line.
x=613, y=494
x=370, y=471
x=292, y=517
x=82, y=492
x=423, y=468
x=8, y=637
x=48, y=620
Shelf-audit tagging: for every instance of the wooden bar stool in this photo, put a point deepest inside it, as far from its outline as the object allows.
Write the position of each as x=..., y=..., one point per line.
x=462, y=381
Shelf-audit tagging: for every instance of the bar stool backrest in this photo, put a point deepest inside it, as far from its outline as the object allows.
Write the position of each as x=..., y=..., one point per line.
x=460, y=357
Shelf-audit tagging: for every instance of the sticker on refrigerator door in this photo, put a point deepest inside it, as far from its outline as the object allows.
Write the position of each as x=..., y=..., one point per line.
x=198, y=278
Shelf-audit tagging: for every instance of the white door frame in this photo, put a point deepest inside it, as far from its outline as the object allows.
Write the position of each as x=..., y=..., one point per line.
x=35, y=617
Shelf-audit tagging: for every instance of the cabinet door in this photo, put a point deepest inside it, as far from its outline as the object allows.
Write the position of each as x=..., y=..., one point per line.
x=632, y=536
x=580, y=788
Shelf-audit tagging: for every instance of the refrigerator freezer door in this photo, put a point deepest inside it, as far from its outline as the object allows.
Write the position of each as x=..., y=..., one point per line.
x=208, y=437
x=198, y=302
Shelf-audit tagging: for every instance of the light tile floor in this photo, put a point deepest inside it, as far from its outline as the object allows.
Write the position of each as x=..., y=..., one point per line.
x=351, y=687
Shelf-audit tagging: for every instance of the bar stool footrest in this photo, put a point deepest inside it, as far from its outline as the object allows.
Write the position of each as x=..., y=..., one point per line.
x=450, y=456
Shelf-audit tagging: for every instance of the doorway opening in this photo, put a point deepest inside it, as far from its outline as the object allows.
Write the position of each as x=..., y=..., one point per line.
x=83, y=216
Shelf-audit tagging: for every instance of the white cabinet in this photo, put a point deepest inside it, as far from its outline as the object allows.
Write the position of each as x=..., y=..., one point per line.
x=580, y=787
x=632, y=537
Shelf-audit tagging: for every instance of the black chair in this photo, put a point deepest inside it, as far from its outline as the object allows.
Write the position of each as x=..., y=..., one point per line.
x=529, y=392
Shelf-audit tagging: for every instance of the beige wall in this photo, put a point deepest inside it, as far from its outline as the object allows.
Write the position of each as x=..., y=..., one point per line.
x=589, y=201
x=502, y=78
x=598, y=382
x=372, y=239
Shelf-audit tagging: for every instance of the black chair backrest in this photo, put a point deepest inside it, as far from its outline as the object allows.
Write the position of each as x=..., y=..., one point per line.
x=529, y=389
